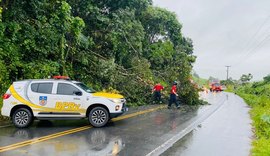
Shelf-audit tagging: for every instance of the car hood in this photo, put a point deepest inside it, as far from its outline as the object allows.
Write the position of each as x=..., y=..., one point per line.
x=108, y=95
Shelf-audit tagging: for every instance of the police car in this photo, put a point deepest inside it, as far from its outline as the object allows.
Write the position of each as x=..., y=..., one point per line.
x=59, y=98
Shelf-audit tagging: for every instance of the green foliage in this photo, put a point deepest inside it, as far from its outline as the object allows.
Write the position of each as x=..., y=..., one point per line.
x=161, y=24
x=245, y=78
x=126, y=29
x=261, y=147
x=1, y=9
x=257, y=95
x=230, y=88
x=125, y=46
x=228, y=82
x=267, y=79
x=200, y=81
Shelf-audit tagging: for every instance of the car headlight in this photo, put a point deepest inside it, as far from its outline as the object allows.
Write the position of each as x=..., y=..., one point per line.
x=118, y=101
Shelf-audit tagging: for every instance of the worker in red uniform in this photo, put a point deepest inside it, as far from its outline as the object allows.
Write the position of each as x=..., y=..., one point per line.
x=173, y=96
x=157, y=92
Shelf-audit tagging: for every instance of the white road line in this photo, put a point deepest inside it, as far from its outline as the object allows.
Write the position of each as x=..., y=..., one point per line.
x=162, y=148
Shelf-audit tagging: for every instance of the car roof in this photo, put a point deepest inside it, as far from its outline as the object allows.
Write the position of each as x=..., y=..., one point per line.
x=49, y=80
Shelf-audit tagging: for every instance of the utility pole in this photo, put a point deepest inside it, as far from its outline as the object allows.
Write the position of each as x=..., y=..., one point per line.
x=227, y=71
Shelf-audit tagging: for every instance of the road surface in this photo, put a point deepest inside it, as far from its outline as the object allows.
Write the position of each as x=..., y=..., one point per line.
x=227, y=132
x=220, y=128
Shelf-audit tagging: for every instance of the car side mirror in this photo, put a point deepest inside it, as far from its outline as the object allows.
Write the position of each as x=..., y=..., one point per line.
x=78, y=93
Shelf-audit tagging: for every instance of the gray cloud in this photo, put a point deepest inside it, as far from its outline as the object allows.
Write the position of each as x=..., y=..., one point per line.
x=223, y=34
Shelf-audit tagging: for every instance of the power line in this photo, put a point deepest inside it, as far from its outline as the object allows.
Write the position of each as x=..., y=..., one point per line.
x=251, y=52
x=258, y=30
x=258, y=46
x=252, y=41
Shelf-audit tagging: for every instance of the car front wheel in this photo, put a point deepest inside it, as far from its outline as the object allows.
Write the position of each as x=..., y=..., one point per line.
x=98, y=117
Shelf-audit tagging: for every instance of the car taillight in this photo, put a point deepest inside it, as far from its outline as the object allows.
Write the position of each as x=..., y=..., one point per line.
x=6, y=96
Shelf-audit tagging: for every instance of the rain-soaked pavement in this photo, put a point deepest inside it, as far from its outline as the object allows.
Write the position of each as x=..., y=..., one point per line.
x=225, y=130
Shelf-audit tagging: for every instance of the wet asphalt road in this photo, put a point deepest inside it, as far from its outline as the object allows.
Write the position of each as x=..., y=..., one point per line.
x=147, y=134
x=227, y=132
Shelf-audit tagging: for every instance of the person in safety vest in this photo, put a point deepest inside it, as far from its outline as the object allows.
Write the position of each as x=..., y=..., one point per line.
x=157, y=92
x=173, y=96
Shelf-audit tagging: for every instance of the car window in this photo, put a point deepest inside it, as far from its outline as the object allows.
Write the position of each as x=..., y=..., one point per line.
x=34, y=87
x=85, y=88
x=66, y=89
x=42, y=87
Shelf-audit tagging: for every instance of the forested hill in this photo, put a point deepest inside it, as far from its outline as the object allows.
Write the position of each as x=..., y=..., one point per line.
x=125, y=45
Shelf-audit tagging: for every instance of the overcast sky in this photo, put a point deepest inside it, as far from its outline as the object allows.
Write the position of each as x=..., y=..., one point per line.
x=226, y=32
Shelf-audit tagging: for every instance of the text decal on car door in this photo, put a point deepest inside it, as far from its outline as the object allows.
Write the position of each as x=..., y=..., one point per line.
x=67, y=106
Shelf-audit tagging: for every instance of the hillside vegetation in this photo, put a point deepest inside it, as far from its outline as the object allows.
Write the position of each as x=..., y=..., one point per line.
x=113, y=45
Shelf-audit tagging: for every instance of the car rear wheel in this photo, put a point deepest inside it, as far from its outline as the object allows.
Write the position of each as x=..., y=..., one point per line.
x=98, y=117
x=22, y=118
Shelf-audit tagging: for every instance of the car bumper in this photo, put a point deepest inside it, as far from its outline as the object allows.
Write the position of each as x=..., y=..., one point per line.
x=123, y=110
x=5, y=112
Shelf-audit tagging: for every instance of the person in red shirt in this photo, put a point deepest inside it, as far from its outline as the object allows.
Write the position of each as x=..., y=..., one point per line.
x=173, y=96
x=157, y=92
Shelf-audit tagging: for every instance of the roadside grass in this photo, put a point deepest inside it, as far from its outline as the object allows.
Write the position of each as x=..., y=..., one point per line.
x=260, y=114
x=230, y=89
x=261, y=147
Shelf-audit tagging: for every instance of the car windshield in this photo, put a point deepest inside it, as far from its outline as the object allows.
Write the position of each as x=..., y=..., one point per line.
x=85, y=88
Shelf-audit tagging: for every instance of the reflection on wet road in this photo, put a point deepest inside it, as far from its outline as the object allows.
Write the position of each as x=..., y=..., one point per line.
x=136, y=136
x=95, y=142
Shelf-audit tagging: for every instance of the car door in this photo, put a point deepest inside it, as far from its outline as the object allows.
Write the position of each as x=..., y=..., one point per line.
x=39, y=94
x=68, y=98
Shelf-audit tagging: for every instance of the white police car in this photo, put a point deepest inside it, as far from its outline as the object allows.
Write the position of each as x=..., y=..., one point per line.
x=59, y=98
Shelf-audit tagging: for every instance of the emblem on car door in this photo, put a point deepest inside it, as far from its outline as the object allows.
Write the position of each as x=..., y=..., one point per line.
x=43, y=100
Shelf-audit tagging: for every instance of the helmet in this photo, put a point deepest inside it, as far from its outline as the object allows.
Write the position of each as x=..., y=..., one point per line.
x=174, y=83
